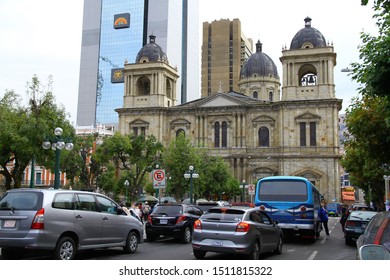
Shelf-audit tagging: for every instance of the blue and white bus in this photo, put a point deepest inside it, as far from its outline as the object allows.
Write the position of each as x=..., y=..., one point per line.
x=293, y=202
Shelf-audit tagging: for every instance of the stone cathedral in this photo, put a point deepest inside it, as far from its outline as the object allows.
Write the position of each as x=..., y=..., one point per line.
x=271, y=127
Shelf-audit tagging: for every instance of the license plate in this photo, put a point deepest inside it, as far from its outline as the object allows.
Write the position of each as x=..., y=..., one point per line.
x=217, y=243
x=9, y=223
x=358, y=230
x=163, y=222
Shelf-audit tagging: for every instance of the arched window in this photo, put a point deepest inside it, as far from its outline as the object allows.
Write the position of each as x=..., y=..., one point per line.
x=271, y=96
x=224, y=134
x=180, y=131
x=216, y=134
x=255, y=94
x=263, y=137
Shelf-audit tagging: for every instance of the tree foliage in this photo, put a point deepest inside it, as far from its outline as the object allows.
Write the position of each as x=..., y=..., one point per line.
x=368, y=117
x=23, y=129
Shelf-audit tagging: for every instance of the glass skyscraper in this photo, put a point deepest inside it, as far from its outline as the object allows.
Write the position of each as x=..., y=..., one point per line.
x=114, y=31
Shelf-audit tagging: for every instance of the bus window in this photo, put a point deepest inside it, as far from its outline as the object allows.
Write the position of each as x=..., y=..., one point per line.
x=283, y=190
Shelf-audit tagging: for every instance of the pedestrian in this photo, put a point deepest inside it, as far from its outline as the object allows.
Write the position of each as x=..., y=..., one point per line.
x=343, y=219
x=323, y=215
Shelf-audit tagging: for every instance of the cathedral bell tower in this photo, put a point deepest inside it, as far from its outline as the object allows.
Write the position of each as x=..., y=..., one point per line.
x=150, y=81
x=308, y=66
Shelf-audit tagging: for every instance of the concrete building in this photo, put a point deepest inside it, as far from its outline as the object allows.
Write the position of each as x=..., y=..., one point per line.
x=113, y=33
x=265, y=128
x=224, y=50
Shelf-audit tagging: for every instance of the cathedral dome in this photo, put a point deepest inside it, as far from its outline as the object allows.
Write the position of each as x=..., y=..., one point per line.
x=308, y=37
x=151, y=52
x=259, y=64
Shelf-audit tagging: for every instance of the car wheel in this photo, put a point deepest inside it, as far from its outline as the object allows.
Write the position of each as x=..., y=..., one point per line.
x=9, y=253
x=348, y=241
x=65, y=249
x=199, y=254
x=279, y=247
x=131, y=243
x=255, y=253
x=187, y=235
x=150, y=237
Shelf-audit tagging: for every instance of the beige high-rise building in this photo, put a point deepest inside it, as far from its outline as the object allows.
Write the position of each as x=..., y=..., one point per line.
x=224, y=49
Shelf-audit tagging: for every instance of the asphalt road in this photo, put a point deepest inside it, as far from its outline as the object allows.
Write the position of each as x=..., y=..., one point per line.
x=325, y=248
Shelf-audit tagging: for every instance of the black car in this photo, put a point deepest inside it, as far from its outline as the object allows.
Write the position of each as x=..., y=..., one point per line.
x=173, y=220
x=355, y=225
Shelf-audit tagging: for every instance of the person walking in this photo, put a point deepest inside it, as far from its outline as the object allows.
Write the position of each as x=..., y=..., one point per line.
x=323, y=215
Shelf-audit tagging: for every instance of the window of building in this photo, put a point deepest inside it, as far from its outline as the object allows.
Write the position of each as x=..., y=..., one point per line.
x=302, y=130
x=224, y=134
x=313, y=134
x=255, y=94
x=216, y=134
x=179, y=131
x=264, y=136
x=271, y=96
x=220, y=134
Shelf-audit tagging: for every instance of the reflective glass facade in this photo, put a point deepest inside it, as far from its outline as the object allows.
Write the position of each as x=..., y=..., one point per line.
x=114, y=31
x=116, y=46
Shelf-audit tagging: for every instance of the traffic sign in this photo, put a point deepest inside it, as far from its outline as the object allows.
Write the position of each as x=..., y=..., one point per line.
x=159, y=178
x=251, y=189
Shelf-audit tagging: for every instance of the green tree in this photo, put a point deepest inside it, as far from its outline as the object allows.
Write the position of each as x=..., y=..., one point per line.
x=133, y=156
x=177, y=158
x=368, y=117
x=23, y=129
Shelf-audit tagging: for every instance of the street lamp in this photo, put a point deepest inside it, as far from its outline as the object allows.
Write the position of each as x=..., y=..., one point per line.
x=243, y=190
x=57, y=144
x=126, y=188
x=189, y=175
x=385, y=166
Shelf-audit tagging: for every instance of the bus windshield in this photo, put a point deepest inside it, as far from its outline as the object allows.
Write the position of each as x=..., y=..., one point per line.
x=283, y=190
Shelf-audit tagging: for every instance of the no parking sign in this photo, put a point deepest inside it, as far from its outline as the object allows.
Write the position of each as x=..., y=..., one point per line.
x=159, y=178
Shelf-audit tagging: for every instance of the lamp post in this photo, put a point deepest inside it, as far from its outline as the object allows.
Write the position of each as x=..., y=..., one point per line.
x=126, y=189
x=243, y=190
x=189, y=175
x=386, y=177
x=57, y=143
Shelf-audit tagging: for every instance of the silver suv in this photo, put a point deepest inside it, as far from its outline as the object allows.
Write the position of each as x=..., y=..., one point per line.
x=64, y=222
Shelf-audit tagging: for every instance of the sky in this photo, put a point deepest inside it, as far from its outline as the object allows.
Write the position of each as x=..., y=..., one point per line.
x=43, y=38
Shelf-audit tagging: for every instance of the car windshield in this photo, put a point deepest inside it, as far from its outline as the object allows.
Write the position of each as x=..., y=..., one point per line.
x=224, y=214
x=20, y=201
x=361, y=215
x=168, y=210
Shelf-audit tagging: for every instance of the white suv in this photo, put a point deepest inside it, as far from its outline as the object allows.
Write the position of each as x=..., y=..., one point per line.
x=64, y=222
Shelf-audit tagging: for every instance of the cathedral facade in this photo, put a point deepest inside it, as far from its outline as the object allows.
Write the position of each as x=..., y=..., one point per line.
x=267, y=128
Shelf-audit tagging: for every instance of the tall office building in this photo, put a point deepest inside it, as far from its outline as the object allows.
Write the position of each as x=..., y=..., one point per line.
x=113, y=33
x=224, y=49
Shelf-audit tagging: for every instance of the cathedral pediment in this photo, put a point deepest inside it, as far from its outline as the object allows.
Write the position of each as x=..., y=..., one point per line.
x=220, y=100
x=307, y=117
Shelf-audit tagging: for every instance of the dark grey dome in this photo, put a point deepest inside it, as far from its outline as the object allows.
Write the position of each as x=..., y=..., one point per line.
x=259, y=63
x=308, y=35
x=151, y=52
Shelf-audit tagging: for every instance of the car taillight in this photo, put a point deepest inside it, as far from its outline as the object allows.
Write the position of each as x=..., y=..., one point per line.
x=181, y=219
x=303, y=208
x=37, y=222
x=198, y=225
x=150, y=219
x=242, y=227
x=350, y=224
x=262, y=207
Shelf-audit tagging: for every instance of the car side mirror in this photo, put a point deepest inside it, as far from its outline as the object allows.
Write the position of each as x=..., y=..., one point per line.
x=373, y=252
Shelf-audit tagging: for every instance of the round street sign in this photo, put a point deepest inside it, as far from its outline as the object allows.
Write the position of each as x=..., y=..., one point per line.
x=159, y=178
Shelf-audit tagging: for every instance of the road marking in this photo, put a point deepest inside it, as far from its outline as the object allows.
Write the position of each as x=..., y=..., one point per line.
x=312, y=256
